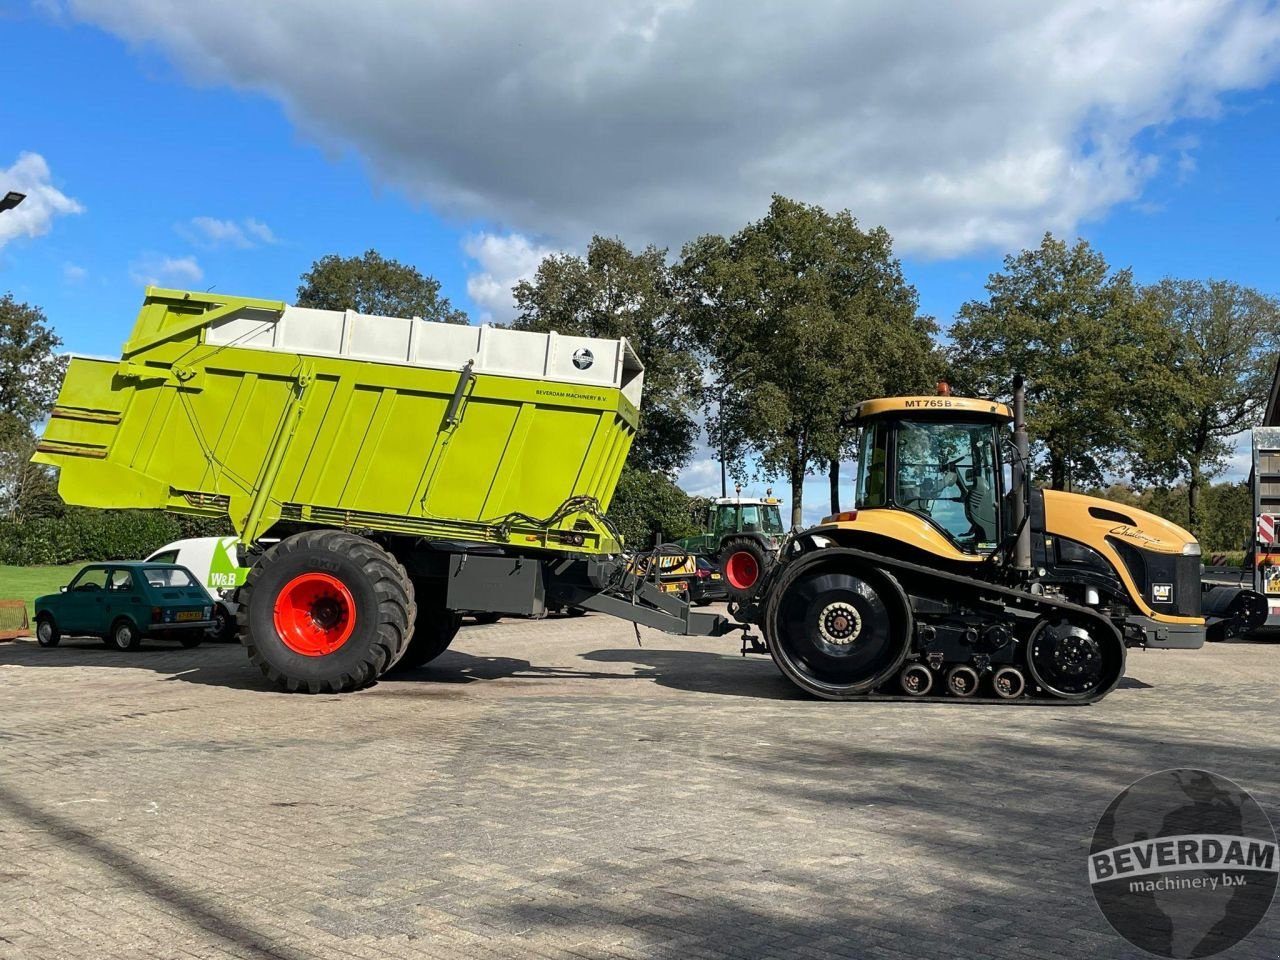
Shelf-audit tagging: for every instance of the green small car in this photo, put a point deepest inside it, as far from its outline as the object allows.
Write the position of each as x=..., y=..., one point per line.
x=124, y=602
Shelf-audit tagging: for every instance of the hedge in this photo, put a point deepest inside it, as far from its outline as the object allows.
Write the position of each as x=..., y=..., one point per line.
x=81, y=534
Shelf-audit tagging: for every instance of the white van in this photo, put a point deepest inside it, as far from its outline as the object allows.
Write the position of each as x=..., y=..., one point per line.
x=216, y=564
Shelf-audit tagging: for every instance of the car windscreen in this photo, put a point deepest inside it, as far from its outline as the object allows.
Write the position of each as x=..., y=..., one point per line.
x=168, y=577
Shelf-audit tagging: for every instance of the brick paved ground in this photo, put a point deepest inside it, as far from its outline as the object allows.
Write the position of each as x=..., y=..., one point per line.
x=551, y=790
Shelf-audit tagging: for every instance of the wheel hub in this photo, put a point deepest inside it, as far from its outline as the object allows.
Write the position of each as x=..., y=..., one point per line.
x=1074, y=654
x=314, y=614
x=839, y=623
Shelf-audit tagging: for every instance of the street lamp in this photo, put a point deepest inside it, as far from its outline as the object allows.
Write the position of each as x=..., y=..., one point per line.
x=11, y=200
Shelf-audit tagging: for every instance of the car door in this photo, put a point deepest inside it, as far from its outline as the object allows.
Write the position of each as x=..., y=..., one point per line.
x=122, y=598
x=84, y=602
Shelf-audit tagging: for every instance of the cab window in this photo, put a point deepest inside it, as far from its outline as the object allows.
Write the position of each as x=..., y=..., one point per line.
x=946, y=472
x=771, y=518
x=725, y=519
x=872, y=463
x=169, y=556
x=95, y=578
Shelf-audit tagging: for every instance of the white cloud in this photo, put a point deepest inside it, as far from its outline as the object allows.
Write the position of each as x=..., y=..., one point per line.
x=33, y=217
x=158, y=270
x=958, y=126
x=73, y=272
x=501, y=261
x=211, y=232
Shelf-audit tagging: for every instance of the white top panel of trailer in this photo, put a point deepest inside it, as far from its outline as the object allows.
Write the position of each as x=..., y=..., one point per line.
x=443, y=346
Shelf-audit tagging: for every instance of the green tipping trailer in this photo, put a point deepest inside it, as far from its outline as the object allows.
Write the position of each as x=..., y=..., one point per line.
x=402, y=469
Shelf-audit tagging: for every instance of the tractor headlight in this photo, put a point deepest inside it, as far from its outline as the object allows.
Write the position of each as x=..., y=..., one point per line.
x=1191, y=549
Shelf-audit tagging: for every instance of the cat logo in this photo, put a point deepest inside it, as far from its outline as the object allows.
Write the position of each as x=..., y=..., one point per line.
x=1162, y=593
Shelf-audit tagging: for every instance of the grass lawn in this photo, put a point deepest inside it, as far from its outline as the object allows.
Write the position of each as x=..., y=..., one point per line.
x=27, y=583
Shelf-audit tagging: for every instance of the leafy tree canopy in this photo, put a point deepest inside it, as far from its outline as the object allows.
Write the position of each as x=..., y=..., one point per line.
x=30, y=369
x=801, y=315
x=613, y=292
x=1215, y=351
x=375, y=285
x=1081, y=335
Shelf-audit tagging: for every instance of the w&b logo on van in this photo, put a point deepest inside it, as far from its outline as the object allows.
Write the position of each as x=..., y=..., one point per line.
x=1184, y=863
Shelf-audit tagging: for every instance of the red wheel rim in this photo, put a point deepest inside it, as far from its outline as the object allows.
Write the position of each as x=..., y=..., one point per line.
x=315, y=614
x=741, y=570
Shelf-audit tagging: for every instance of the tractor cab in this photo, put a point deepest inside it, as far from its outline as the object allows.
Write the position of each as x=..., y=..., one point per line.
x=942, y=459
x=738, y=515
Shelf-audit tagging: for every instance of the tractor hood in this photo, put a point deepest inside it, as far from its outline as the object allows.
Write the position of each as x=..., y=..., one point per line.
x=1092, y=519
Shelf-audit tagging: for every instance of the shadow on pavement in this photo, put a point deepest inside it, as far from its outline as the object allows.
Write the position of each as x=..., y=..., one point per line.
x=215, y=919
x=700, y=672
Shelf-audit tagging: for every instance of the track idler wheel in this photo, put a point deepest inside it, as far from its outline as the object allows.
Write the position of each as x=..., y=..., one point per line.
x=962, y=680
x=1008, y=683
x=916, y=679
x=838, y=634
x=1074, y=662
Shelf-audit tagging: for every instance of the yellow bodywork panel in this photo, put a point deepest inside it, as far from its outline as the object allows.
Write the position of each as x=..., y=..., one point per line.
x=1090, y=520
x=1087, y=520
x=879, y=407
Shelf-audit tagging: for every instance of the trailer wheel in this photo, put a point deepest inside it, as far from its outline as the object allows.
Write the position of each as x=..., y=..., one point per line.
x=743, y=564
x=433, y=629
x=325, y=610
x=839, y=635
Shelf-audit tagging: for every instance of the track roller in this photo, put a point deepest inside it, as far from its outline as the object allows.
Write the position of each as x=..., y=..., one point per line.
x=962, y=680
x=916, y=679
x=1008, y=683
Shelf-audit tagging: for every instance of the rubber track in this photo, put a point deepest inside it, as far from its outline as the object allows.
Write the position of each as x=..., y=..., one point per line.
x=912, y=573
x=396, y=607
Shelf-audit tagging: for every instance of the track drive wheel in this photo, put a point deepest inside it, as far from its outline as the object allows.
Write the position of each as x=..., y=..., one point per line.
x=433, y=629
x=1074, y=661
x=839, y=634
x=325, y=610
x=743, y=564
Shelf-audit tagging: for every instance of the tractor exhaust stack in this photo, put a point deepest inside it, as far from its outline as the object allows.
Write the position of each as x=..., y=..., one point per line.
x=1022, y=547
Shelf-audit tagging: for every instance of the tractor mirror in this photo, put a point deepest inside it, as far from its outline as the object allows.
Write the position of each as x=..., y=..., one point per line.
x=63, y=588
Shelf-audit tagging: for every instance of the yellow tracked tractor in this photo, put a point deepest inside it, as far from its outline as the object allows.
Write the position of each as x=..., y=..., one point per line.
x=954, y=576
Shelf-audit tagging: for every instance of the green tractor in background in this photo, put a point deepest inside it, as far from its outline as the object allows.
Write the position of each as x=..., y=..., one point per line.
x=743, y=536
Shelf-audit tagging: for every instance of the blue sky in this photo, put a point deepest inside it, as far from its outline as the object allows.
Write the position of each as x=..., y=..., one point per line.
x=227, y=146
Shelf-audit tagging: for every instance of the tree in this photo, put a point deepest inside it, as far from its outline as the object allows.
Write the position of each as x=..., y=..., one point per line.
x=801, y=315
x=613, y=292
x=1216, y=355
x=1080, y=334
x=375, y=285
x=30, y=369
x=27, y=490
x=647, y=505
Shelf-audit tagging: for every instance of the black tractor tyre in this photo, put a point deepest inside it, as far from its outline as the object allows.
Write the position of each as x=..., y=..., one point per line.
x=744, y=563
x=345, y=604
x=434, y=628
x=47, y=632
x=486, y=618
x=839, y=634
